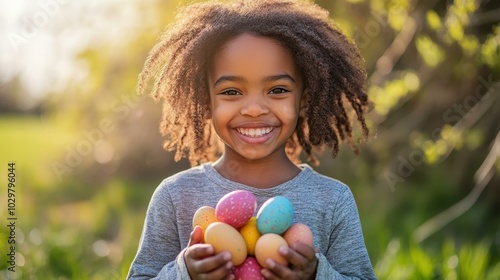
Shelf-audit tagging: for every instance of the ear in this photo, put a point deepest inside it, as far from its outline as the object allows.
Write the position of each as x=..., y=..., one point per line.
x=207, y=104
x=208, y=112
x=303, y=100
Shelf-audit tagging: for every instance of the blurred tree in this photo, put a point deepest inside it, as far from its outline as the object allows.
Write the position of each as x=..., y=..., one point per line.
x=14, y=98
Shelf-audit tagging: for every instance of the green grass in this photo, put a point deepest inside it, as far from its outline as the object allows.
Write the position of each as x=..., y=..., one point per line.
x=55, y=233
x=33, y=143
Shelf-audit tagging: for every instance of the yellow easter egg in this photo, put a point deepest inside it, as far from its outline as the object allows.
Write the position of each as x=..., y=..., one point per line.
x=224, y=237
x=251, y=234
x=204, y=216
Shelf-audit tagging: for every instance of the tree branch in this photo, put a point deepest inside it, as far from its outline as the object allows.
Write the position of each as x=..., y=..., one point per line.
x=482, y=177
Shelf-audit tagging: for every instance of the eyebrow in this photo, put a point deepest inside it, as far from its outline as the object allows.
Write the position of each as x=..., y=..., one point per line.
x=271, y=78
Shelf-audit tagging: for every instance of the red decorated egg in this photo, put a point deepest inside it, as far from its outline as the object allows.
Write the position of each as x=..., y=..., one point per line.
x=248, y=270
x=236, y=208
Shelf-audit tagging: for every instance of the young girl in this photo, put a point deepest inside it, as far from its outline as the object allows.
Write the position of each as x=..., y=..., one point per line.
x=246, y=87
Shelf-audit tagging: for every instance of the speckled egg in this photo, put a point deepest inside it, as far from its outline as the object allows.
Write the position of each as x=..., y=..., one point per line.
x=248, y=270
x=236, y=208
x=251, y=234
x=204, y=216
x=275, y=216
x=267, y=247
x=298, y=232
x=224, y=237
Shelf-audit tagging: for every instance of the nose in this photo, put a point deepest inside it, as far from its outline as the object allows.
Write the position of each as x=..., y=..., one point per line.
x=254, y=106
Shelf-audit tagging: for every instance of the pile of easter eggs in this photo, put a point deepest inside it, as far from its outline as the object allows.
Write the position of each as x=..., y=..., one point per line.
x=231, y=226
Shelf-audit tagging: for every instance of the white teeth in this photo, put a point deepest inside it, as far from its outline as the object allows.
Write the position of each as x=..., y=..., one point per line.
x=254, y=132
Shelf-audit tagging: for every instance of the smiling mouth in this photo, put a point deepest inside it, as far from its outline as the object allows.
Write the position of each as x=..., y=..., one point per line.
x=254, y=132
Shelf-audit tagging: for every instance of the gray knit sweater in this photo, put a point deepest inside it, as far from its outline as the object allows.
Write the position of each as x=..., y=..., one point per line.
x=324, y=204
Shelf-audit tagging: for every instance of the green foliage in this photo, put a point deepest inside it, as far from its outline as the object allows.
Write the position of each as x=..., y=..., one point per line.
x=398, y=13
x=490, y=52
x=432, y=54
x=392, y=92
x=433, y=20
x=412, y=261
x=456, y=21
x=473, y=261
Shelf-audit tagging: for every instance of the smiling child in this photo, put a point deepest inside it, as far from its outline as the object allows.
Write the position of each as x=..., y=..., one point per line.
x=247, y=86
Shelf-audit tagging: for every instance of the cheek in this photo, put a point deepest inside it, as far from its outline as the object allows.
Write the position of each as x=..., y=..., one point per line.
x=221, y=112
x=289, y=112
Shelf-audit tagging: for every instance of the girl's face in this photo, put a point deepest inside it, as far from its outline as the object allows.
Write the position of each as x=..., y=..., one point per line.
x=255, y=92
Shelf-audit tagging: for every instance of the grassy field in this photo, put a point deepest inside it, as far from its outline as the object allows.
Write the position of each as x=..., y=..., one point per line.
x=65, y=229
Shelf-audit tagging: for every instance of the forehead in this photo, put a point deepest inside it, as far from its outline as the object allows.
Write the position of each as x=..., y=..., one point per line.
x=248, y=54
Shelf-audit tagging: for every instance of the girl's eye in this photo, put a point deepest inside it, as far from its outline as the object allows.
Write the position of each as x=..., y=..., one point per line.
x=230, y=92
x=278, y=90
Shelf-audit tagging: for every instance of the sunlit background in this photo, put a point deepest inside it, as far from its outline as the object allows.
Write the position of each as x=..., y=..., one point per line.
x=88, y=154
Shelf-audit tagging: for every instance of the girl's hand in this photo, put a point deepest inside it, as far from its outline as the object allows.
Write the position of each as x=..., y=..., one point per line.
x=201, y=261
x=302, y=263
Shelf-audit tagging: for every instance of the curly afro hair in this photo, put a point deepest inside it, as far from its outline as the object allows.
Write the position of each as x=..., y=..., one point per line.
x=330, y=64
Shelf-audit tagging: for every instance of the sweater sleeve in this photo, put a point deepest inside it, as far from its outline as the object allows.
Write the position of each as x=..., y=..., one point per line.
x=158, y=255
x=346, y=256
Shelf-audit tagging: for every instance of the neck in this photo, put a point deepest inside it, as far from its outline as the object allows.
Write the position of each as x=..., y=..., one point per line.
x=261, y=173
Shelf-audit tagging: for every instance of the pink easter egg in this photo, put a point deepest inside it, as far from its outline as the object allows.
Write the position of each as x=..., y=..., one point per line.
x=298, y=232
x=248, y=270
x=236, y=208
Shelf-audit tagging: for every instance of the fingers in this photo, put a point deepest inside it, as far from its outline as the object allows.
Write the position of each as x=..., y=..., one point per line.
x=196, y=236
x=202, y=264
x=201, y=261
x=302, y=259
x=220, y=261
x=198, y=252
x=222, y=272
x=275, y=271
x=301, y=254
